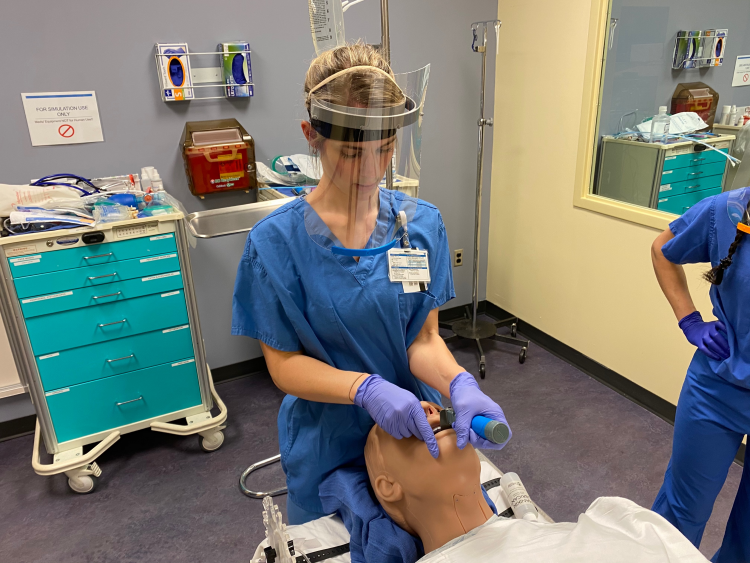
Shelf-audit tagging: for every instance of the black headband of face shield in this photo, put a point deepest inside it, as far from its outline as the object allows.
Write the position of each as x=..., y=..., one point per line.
x=349, y=135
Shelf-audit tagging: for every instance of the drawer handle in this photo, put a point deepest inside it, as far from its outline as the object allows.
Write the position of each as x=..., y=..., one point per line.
x=691, y=187
x=698, y=159
x=131, y=401
x=121, y=359
x=694, y=173
x=108, y=295
x=100, y=277
x=98, y=256
x=114, y=323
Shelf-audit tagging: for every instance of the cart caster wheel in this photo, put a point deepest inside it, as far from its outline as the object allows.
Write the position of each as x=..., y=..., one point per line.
x=513, y=330
x=522, y=355
x=212, y=442
x=82, y=485
x=482, y=371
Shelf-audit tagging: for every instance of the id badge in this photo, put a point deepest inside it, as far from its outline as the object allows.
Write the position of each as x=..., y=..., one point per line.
x=410, y=267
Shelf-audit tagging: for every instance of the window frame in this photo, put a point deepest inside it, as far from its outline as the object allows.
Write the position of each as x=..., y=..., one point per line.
x=591, y=101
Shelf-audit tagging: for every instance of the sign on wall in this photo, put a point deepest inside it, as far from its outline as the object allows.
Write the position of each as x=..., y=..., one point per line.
x=62, y=118
x=741, y=75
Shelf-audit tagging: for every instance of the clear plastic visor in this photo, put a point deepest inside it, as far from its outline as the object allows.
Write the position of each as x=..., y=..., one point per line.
x=368, y=127
x=737, y=208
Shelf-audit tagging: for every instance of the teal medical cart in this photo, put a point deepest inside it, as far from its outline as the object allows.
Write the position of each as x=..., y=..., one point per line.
x=104, y=329
x=671, y=177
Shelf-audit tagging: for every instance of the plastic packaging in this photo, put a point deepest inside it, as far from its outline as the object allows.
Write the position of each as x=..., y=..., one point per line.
x=733, y=116
x=110, y=213
x=519, y=499
x=326, y=24
x=660, y=126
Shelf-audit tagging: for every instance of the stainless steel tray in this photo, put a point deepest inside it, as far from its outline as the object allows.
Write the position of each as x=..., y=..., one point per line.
x=231, y=220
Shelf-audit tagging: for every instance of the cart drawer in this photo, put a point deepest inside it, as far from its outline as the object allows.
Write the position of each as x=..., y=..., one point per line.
x=696, y=172
x=64, y=280
x=105, y=253
x=680, y=203
x=80, y=327
x=704, y=157
x=87, y=363
x=689, y=186
x=105, y=404
x=99, y=295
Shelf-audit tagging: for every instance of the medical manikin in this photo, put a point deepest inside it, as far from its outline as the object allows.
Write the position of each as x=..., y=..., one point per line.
x=441, y=502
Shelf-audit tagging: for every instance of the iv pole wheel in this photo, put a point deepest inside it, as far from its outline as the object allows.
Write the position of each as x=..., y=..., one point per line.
x=82, y=485
x=212, y=442
x=514, y=330
x=482, y=371
x=522, y=355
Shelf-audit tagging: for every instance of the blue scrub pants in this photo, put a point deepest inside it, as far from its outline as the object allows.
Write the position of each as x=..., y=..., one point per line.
x=712, y=417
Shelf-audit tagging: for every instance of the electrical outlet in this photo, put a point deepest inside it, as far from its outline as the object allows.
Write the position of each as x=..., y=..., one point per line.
x=458, y=257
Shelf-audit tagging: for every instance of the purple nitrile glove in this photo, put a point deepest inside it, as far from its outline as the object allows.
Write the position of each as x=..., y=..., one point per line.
x=468, y=401
x=395, y=410
x=710, y=338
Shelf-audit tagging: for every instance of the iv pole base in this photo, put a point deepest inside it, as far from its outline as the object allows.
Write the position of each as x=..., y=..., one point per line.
x=484, y=330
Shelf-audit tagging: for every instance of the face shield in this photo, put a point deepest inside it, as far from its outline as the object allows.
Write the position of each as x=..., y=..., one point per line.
x=737, y=209
x=367, y=128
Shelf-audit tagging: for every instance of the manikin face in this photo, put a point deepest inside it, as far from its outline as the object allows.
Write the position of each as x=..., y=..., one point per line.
x=410, y=464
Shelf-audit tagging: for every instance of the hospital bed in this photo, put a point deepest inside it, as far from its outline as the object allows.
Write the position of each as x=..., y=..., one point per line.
x=329, y=533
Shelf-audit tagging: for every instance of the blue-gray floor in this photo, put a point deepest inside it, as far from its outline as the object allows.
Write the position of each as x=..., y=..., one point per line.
x=161, y=498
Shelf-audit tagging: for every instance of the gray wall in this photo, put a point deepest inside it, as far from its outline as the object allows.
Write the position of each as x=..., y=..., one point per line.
x=639, y=71
x=108, y=47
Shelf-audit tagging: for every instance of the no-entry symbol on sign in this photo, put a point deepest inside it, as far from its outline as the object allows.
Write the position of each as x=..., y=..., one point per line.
x=745, y=77
x=66, y=131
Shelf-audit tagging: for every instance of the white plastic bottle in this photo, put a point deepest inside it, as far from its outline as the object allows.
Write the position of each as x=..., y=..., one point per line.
x=725, y=115
x=519, y=499
x=733, y=116
x=326, y=24
x=660, y=126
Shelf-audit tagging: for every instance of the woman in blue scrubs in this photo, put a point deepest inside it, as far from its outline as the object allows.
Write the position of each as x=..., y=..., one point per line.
x=713, y=411
x=326, y=283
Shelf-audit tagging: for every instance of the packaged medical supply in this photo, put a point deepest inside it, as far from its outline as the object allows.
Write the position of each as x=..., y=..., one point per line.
x=155, y=210
x=326, y=24
x=104, y=213
x=660, y=126
x=219, y=156
x=236, y=69
x=174, y=71
x=519, y=499
x=28, y=195
x=46, y=216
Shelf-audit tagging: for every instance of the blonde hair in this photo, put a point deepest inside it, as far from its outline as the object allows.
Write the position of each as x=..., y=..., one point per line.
x=363, y=88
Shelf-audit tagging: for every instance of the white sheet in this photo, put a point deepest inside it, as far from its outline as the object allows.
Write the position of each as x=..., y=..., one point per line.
x=331, y=532
x=613, y=529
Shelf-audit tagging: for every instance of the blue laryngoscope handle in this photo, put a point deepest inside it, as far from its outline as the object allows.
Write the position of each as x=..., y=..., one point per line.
x=492, y=430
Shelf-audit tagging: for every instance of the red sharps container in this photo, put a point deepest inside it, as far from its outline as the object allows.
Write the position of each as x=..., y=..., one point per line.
x=219, y=157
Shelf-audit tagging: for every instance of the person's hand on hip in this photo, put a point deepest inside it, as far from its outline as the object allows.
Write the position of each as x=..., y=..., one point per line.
x=709, y=337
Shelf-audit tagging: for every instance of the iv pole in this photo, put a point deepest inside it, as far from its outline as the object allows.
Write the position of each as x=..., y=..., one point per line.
x=470, y=327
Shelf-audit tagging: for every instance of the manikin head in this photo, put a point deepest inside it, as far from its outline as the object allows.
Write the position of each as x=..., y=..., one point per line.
x=352, y=166
x=434, y=499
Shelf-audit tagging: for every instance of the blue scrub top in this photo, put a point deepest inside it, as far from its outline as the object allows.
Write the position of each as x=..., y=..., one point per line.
x=292, y=294
x=703, y=234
